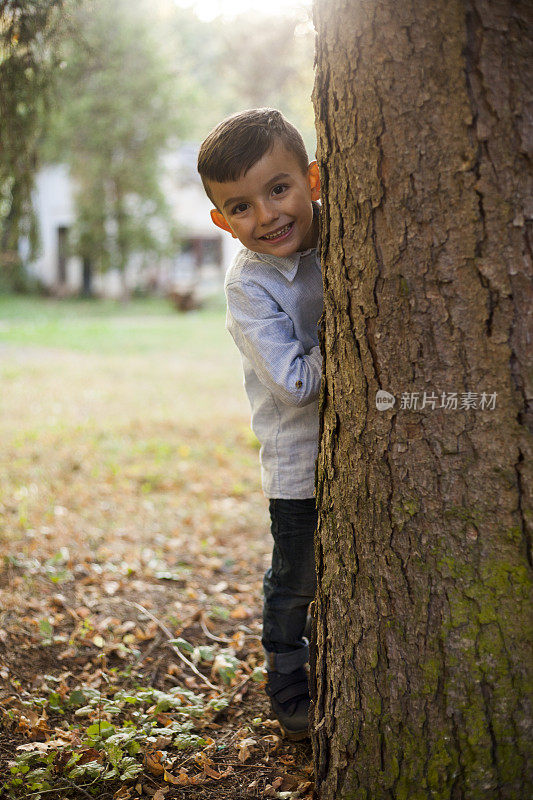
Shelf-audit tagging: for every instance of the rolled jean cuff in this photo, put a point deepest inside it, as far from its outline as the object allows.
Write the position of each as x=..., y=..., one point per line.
x=287, y=662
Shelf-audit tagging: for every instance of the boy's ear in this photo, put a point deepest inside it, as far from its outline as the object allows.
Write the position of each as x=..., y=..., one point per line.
x=313, y=176
x=220, y=222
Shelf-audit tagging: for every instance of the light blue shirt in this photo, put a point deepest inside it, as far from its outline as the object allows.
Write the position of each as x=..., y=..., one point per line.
x=274, y=305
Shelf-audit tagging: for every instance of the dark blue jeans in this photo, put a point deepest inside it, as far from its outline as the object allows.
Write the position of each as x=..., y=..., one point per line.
x=290, y=583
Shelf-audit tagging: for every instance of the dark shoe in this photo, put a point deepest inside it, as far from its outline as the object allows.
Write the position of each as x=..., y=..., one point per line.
x=289, y=698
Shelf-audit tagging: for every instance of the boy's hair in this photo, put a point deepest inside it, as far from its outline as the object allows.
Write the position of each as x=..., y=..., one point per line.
x=239, y=141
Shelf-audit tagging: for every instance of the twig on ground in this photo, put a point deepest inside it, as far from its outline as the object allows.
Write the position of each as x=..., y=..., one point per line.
x=271, y=768
x=72, y=785
x=212, y=635
x=178, y=652
x=80, y=788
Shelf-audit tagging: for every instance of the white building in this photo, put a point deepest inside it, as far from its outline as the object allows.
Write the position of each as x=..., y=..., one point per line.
x=205, y=254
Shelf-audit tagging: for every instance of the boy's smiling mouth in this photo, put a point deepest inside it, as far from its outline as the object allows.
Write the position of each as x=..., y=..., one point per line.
x=281, y=233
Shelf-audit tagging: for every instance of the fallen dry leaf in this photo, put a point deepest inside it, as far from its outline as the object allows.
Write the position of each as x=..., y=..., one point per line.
x=289, y=782
x=238, y=640
x=244, y=747
x=183, y=779
x=287, y=761
x=271, y=739
x=152, y=762
x=212, y=773
x=240, y=612
x=33, y=728
x=162, y=742
x=173, y=779
x=164, y=719
x=124, y=793
x=305, y=789
x=70, y=652
x=90, y=754
x=42, y=747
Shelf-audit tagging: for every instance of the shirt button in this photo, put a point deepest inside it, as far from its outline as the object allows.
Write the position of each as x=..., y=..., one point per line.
x=298, y=384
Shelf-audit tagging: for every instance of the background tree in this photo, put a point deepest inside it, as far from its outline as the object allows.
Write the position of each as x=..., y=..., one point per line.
x=131, y=90
x=267, y=61
x=227, y=65
x=29, y=35
x=116, y=115
x=424, y=137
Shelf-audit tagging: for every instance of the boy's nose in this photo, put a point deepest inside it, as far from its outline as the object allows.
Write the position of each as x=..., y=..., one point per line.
x=266, y=213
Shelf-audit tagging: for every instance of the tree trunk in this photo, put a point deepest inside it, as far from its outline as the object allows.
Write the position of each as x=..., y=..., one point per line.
x=87, y=277
x=423, y=550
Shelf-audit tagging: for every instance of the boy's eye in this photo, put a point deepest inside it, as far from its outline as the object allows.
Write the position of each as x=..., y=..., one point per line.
x=279, y=188
x=238, y=209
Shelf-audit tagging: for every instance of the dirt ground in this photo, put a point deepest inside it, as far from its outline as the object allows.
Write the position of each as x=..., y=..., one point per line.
x=132, y=514
x=27, y=664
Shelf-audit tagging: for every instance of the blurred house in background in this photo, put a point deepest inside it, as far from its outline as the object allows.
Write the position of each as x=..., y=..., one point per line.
x=199, y=264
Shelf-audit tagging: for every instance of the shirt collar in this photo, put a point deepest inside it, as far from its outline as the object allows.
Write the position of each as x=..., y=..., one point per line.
x=287, y=266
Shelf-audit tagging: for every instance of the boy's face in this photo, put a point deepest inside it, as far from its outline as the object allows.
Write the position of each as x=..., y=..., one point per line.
x=269, y=209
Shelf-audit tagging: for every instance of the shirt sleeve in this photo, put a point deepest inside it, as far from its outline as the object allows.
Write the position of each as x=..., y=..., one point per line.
x=265, y=334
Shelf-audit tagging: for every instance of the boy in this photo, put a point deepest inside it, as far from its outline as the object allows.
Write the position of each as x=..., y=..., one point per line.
x=255, y=170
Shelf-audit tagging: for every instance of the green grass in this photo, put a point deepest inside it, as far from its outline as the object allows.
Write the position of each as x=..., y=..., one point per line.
x=108, y=327
x=16, y=306
x=110, y=403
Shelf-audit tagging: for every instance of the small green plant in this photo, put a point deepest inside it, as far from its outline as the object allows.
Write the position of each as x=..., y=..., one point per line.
x=47, y=631
x=108, y=736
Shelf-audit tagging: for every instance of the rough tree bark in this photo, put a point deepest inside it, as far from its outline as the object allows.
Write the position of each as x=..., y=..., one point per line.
x=424, y=145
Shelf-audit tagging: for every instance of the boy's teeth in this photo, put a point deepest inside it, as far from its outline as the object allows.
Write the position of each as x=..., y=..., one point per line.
x=277, y=233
